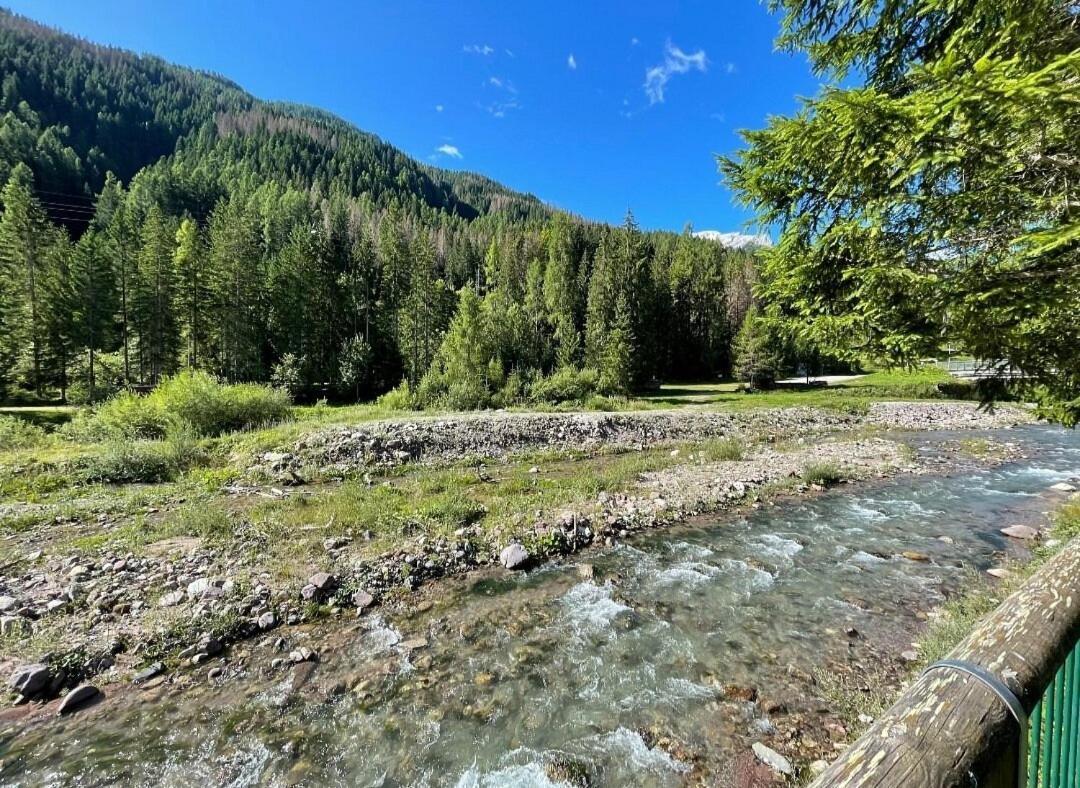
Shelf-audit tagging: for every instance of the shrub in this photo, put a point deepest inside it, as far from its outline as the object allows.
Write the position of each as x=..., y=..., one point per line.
x=195, y=399
x=16, y=433
x=566, y=385
x=126, y=461
x=400, y=398
x=128, y=415
x=823, y=473
x=730, y=449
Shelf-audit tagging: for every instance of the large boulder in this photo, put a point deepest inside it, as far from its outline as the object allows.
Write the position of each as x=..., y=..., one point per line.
x=30, y=680
x=78, y=697
x=514, y=556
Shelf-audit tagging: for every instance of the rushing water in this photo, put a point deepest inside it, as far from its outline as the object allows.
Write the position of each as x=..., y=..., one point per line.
x=524, y=674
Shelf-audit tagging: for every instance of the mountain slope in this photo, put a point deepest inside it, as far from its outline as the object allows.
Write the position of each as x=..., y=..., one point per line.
x=74, y=111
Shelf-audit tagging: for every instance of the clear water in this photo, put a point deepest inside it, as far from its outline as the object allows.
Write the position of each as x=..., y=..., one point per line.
x=525, y=670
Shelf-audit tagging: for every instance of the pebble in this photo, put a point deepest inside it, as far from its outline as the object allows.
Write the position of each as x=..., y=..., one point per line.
x=999, y=572
x=266, y=621
x=214, y=673
x=1063, y=487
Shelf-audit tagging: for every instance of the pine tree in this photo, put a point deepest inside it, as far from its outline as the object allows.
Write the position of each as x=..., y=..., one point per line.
x=757, y=358
x=95, y=303
x=192, y=290
x=153, y=299
x=418, y=319
x=24, y=238
x=113, y=220
x=237, y=285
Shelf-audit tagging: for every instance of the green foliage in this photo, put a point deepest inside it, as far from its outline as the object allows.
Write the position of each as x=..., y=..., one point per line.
x=195, y=400
x=823, y=473
x=125, y=461
x=757, y=357
x=566, y=385
x=936, y=200
x=16, y=433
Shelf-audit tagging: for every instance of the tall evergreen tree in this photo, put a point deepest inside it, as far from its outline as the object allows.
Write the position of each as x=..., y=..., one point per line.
x=192, y=291
x=153, y=306
x=95, y=303
x=25, y=236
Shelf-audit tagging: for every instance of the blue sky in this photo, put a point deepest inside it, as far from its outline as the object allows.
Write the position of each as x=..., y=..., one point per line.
x=595, y=107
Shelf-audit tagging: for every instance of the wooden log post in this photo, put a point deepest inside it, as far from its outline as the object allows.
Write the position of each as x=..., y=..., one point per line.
x=948, y=728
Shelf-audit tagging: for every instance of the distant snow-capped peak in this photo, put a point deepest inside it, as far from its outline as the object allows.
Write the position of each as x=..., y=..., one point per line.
x=734, y=240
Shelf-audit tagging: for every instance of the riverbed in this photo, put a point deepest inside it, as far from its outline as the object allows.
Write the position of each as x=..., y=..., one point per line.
x=654, y=662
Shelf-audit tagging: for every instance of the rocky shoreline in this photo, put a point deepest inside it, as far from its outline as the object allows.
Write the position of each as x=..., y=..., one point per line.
x=340, y=451
x=127, y=616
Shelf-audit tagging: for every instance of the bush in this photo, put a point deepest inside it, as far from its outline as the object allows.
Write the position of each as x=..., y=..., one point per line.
x=16, y=433
x=197, y=400
x=128, y=415
x=729, y=449
x=400, y=398
x=823, y=473
x=127, y=461
x=566, y=385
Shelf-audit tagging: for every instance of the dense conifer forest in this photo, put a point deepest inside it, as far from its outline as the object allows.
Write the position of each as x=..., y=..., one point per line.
x=157, y=219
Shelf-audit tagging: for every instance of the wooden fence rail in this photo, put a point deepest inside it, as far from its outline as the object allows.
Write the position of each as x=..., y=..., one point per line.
x=949, y=728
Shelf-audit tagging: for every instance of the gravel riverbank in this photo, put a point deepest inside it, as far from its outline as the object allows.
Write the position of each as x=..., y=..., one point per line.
x=114, y=614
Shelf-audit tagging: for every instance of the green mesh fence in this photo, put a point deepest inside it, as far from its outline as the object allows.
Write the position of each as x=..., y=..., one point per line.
x=1054, y=730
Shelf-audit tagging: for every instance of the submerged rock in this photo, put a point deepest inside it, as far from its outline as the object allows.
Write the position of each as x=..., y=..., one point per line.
x=1025, y=532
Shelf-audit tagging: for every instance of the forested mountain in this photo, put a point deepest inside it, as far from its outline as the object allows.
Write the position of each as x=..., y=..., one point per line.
x=158, y=218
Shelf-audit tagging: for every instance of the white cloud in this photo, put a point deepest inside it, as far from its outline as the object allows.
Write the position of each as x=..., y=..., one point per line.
x=479, y=49
x=730, y=68
x=499, y=109
x=439, y=107
x=572, y=62
x=449, y=150
x=634, y=41
x=496, y=82
x=675, y=62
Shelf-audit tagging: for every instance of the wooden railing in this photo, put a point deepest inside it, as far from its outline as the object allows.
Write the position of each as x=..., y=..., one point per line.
x=952, y=728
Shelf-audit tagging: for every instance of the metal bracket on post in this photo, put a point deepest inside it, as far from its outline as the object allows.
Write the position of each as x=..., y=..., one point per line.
x=999, y=688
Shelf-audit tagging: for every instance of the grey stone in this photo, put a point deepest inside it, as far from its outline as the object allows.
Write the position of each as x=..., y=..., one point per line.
x=206, y=588
x=772, y=758
x=29, y=680
x=513, y=556
x=323, y=581
x=7, y=603
x=362, y=599
x=149, y=672
x=1025, y=532
x=78, y=697
x=172, y=599
x=266, y=621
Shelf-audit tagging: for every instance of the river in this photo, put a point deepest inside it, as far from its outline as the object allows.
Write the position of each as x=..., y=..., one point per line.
x=643, y=673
